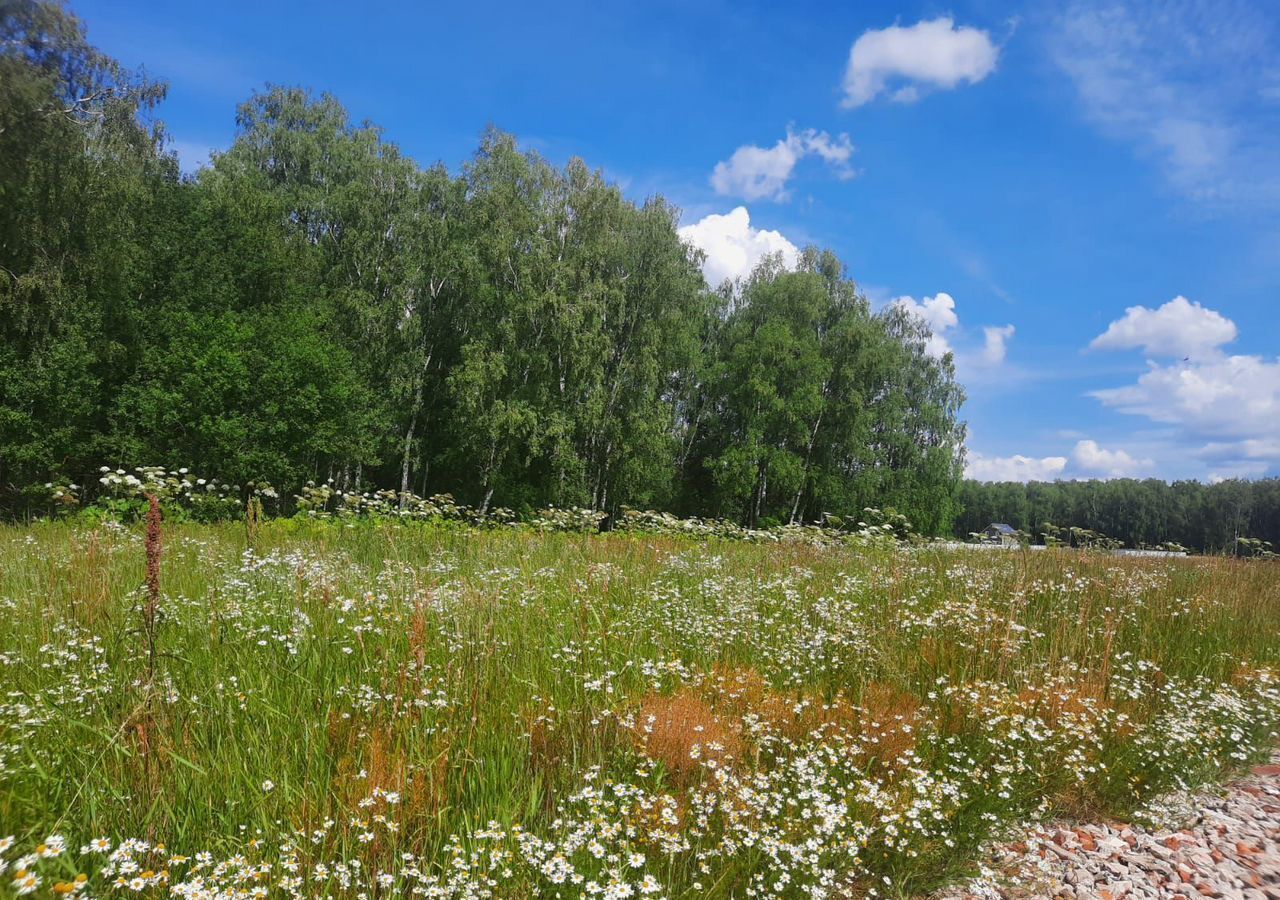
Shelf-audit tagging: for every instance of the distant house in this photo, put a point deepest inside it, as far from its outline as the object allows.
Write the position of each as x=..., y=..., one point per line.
x=1000, y=533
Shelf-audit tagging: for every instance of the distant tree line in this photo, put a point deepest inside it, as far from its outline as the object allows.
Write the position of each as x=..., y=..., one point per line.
x=1208, y=518
x=315, y=305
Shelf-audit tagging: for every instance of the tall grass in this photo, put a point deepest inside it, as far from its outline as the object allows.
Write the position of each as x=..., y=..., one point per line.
x=355, y=707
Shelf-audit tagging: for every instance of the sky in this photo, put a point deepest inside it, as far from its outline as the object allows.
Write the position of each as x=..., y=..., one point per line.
x=1081, y=198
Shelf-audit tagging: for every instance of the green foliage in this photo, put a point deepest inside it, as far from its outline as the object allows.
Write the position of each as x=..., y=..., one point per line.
x=1142, y=514
x=316, y=306
x=1255, y=547
x=568, y=707
x=817, y=406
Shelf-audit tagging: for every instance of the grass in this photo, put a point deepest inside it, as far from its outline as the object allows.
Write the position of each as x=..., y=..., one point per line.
x=347, y=708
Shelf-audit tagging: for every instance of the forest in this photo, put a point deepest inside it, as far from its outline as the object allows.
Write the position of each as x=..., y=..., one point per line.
x=313, y=304
x=1206, y=518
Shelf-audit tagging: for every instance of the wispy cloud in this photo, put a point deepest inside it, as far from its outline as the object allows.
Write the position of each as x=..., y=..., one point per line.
x=1191, y=84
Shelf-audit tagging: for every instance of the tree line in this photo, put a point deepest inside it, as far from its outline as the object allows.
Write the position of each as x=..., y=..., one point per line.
x=1208, y=518
x=316, y=305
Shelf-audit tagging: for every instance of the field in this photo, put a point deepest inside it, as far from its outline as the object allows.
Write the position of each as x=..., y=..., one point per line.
x=359, y=709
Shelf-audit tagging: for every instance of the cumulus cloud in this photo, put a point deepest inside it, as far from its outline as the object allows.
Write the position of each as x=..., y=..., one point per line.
x=733, y=247
x=1178, y=328
x=1248, y=458
x=1235, y=397
x=939, y=313
x=1088, y=459
x=1092, y=459
x=1227, y=405
x=908, y=61
x=1013, y=468
x=1250, y=448
x=762, y=173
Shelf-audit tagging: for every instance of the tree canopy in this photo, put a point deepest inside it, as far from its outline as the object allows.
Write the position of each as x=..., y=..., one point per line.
x=314, y=304
x=1210, y=518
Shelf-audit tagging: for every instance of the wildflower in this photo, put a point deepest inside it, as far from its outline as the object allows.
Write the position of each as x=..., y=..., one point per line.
x=24, y=881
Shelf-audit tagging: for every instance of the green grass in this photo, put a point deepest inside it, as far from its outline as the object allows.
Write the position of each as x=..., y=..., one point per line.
x=860, y=712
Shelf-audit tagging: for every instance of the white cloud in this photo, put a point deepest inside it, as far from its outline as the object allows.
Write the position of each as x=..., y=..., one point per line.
x=1248, y=458
x=1217, y=476
x=1013, y=468
x=1227, y=405
x=1092, y=459
x=1250, y=448
x=1226, y=397
x=759, y=173
x=1178, y=328
x=733, y=247
x=1189, y=84
x=995, y=343
x=1087, y=460
x=939, y=313
x=929, y=54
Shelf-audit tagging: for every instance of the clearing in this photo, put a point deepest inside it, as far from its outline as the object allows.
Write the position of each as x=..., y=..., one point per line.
x=360, y=708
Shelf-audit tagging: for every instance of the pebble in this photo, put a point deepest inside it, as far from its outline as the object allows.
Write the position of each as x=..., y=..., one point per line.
x=1231, y=851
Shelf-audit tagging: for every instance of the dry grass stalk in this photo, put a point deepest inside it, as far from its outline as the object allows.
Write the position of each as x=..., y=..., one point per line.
x=686, y=735
x=152, y=605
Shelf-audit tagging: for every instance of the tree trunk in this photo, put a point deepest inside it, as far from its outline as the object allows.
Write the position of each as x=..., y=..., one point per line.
x=808, y=455
x=758, y=494
x=408, y=446
x=488, y=479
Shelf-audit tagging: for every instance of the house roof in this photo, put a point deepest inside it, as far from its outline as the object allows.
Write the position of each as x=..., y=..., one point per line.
x=1002, y=528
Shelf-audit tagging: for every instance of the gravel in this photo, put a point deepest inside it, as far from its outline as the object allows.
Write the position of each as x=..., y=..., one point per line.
x=1229, y=848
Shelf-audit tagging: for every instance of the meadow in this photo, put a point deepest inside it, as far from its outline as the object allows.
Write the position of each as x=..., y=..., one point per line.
x=362, y=708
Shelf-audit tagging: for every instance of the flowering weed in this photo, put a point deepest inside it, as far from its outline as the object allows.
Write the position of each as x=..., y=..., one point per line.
x=347, y=707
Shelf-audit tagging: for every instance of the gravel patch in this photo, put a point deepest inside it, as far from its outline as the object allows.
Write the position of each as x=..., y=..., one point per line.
x=1229, y=846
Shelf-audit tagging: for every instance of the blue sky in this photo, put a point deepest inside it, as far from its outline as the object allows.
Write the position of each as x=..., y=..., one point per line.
x=1082, y=197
